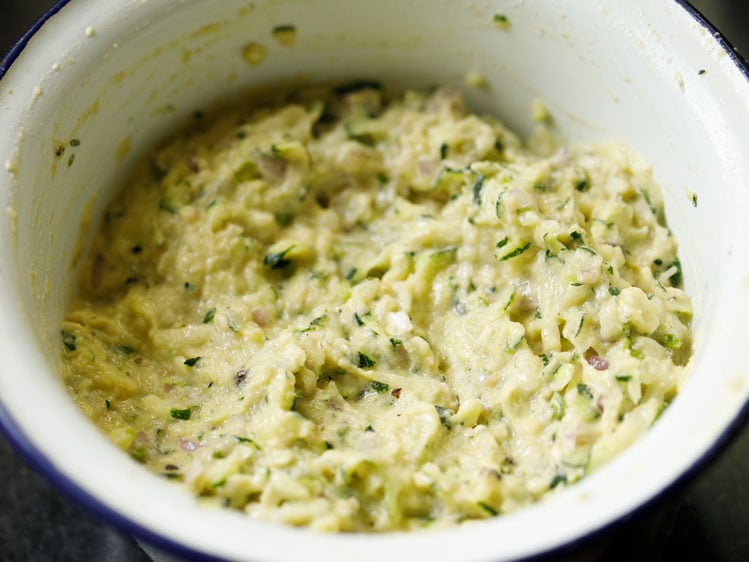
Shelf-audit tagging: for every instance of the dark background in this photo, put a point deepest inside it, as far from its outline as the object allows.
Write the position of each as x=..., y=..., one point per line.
x=709, y=520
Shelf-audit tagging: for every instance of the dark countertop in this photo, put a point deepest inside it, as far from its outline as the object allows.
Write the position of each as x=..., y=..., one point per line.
x=707, y=521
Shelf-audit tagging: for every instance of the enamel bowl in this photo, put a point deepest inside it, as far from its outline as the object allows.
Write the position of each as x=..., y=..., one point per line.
x=119, y=76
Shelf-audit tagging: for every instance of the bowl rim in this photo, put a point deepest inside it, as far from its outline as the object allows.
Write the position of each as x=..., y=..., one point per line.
x=23, y=446
x=741, y=62
x=15, y=50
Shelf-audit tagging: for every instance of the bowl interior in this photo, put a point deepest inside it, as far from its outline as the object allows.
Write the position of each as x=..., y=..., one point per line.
x=98, y=86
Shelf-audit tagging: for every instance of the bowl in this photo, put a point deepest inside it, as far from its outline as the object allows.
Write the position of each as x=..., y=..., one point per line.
x=119, y=78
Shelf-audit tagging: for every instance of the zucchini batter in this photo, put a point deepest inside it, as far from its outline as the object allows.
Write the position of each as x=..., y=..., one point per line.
x=357, y=312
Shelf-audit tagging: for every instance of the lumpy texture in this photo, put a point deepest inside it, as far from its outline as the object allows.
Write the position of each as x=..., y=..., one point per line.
x=366, y=313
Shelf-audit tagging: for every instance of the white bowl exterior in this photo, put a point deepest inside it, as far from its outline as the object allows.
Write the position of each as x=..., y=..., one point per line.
x=118, y=78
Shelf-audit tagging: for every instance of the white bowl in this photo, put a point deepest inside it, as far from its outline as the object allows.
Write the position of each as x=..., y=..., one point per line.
x=119, y=76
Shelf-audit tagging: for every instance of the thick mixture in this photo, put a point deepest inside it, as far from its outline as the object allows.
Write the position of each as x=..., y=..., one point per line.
x=359, y=313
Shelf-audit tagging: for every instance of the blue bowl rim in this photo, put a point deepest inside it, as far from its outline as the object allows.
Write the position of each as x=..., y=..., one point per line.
x=26, y=449
x=15, y=50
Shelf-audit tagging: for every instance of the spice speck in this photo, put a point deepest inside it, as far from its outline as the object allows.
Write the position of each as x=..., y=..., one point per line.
x=285, y=35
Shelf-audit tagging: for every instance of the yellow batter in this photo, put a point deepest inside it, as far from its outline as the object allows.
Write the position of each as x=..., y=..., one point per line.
x=360, y=313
